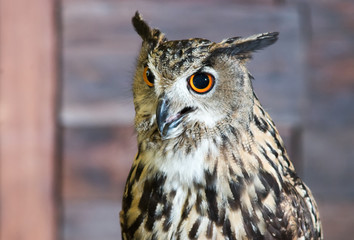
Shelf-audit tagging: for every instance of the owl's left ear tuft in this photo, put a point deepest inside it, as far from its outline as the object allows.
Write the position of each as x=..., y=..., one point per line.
x=153, y=36
x=244, y=46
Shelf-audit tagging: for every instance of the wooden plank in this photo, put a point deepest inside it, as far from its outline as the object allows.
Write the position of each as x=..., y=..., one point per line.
x=28, y=68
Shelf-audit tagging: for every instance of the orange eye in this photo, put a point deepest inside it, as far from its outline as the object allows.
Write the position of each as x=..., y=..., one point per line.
x=201, y=82
x=149, y=78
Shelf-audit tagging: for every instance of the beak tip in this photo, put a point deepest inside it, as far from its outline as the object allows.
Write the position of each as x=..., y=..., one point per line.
x=162, y=130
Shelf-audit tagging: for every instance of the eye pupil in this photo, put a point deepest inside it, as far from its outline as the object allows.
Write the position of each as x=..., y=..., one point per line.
x=148, y=77
x=201, y=82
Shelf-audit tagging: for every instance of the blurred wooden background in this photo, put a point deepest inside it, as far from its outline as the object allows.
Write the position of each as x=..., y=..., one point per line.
x=305, y=81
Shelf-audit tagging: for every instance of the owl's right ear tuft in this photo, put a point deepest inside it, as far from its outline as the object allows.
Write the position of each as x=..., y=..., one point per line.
x=141, y=27
x=153, y=36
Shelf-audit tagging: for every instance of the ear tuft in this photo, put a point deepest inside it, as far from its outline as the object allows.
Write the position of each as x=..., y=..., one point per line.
x=244, y=46
x=153, y=36
x=257, y=42
x=141, y=27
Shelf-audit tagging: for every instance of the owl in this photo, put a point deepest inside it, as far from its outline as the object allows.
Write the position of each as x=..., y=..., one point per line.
x=210, y=162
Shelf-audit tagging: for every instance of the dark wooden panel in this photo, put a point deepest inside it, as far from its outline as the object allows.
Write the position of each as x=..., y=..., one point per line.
x=97, y=161
x=28, y=62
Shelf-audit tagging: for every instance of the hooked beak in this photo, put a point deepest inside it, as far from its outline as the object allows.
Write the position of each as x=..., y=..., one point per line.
x=168, y=121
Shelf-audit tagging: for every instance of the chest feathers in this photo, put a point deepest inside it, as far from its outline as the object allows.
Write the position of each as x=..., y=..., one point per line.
x=230, y=185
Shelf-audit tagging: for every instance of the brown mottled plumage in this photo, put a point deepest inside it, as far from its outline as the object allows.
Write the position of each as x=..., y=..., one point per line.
x=210, y=162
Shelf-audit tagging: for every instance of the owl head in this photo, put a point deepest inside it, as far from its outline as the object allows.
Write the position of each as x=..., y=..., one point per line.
x=192, y=84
